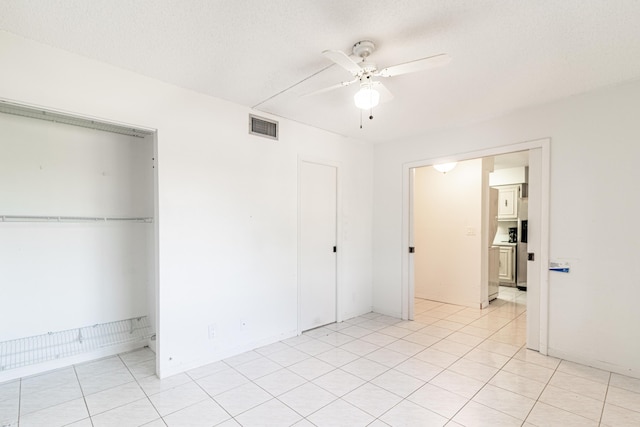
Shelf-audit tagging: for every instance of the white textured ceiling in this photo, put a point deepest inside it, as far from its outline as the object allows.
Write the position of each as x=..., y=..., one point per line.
x=507, y=54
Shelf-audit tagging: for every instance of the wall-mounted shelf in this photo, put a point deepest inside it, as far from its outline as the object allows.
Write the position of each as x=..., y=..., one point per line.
x=55, y=218
x=55, y=345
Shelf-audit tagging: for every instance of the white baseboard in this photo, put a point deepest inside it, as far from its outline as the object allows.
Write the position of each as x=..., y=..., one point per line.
x=355, y=314
x=395, y=314
x=227, y=353
x=577, y=358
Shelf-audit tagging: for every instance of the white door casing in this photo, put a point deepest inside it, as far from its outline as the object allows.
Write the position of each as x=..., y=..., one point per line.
x=537, y=271
x=536, y=308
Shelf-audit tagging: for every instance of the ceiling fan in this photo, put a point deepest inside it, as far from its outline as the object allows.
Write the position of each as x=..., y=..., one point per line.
x=365, y=72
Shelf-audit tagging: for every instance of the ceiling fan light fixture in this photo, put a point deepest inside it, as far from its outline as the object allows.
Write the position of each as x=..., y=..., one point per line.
x=365, y=71
x=366, y=98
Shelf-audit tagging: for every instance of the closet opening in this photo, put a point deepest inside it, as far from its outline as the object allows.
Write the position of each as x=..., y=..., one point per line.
x=78, y=246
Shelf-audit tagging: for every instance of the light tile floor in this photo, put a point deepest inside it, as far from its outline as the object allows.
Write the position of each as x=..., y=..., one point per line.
x=452, y=366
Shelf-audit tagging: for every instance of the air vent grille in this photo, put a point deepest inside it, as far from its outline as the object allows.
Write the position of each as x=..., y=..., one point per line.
x=263, y=127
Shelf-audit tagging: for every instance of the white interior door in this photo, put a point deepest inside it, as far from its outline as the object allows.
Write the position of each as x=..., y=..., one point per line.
x=318, y=211
x=534, y=247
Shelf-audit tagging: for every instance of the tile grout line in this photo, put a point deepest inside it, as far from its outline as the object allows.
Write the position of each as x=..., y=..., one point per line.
x=141, y=388
x=48, y=388
x=19, y=402
x=310, y=356
x=111, y=388
x=542, y=391
x=333, y=370
x=84, y=399
x=577, y=392
x=510, y=337
x=487, y=382
x=307, y=381
x=462, y=356
x=213, y=399
x=604, y=402
x=233, y=388
x=428, y=382
x=363, y=356
x=262, y=388
x=524, y=346
x=498, y=371
x=304, y=417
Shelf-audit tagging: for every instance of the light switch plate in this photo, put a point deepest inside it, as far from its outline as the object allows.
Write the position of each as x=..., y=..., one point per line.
x=559, y=266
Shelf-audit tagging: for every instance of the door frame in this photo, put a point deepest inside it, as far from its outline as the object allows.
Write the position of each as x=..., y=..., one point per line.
x=339, y=298
x=407, y=277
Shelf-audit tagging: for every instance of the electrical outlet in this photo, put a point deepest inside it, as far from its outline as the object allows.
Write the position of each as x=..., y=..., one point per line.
x=212, y=331
x=471, y=231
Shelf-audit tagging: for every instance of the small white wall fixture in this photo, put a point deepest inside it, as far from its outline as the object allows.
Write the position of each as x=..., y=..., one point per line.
x=538, y=292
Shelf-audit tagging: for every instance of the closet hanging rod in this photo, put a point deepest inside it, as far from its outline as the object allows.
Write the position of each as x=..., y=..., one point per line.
x=57, y=218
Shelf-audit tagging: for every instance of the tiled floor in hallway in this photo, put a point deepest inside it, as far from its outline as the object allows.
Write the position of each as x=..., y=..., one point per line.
x=452, y=366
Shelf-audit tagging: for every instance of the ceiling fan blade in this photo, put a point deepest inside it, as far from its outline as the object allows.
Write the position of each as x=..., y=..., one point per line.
x=327, y=89
x=417, y=65
x=385, y=94
x=343, y=60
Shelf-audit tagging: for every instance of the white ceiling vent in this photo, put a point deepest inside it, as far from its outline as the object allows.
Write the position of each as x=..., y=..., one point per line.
x=263, y=127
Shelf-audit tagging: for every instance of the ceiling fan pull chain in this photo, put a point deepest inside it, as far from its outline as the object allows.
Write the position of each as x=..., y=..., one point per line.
x=360, y=119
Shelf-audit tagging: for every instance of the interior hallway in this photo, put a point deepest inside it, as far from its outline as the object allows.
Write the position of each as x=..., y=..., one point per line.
x=452, y=366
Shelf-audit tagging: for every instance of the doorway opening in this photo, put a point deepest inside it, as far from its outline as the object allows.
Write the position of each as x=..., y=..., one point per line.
x=470, y=242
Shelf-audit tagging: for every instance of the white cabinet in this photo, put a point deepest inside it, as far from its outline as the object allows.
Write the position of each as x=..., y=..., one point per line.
x=508, y=202
x=506, y=266
x=494, y=261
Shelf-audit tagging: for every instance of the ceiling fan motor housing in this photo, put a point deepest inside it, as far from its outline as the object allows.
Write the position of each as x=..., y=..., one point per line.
x=363, y=49
x=368, y=67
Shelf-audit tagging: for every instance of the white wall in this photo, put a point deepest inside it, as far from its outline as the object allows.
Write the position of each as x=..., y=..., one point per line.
x=447, y=261
x=72, y=274
x=595, y=147
x=227, y=201
x=517, y=175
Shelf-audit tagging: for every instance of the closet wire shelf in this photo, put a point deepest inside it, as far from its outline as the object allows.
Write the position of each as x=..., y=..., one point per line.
x=53, y=218
x=56, y=345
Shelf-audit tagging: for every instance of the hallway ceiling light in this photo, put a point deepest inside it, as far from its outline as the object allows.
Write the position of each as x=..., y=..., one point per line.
x=445, y=167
